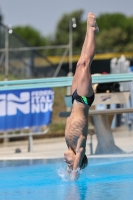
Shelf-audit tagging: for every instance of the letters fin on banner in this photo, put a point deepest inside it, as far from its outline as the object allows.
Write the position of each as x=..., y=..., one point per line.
x=15, y=103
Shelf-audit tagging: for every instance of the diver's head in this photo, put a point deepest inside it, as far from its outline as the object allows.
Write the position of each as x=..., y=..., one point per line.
x=69, y=158
x=84, y=162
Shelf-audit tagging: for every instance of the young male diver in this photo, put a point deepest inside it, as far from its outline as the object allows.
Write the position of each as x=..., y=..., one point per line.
x=82, y=98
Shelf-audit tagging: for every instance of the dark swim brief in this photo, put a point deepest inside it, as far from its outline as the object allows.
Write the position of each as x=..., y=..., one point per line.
x=82, y=99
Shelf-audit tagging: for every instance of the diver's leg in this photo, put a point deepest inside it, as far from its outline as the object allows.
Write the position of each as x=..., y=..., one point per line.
x=75, y=79
x=82, y=80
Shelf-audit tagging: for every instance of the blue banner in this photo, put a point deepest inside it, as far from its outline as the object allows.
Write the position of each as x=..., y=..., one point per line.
x=25, y=108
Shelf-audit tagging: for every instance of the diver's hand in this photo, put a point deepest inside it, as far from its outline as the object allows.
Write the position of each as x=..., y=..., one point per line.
x=74, y=174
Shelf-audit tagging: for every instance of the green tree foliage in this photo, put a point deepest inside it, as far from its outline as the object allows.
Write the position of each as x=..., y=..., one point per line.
x=108, y=21
x=114, y=39
x=31, y=35
x=1, y=17
x=115, y=33
x=62, y=30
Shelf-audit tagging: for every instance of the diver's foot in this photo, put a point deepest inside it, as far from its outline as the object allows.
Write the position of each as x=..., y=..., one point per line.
x=91, y=23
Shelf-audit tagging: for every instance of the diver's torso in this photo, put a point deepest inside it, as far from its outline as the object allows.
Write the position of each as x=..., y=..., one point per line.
x=77, y=124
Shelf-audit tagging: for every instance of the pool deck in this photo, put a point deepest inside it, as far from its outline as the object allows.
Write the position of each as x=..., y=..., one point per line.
x=55, y=147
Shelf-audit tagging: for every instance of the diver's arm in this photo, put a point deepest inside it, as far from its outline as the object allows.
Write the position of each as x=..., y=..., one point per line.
x=79, y=156
x=80, y=152
x=77, y=163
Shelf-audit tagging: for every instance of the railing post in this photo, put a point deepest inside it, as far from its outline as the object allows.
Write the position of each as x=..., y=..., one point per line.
x=30, y=143
x=5, y=139
x=69, y=91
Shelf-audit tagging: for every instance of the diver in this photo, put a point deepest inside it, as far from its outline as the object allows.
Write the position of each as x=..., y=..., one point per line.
x=82, y=98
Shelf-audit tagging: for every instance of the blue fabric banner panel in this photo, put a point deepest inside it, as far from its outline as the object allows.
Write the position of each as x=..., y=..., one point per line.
x=25, y=108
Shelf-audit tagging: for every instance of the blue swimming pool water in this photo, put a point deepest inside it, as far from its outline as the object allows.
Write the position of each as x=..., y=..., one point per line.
x=110, y=178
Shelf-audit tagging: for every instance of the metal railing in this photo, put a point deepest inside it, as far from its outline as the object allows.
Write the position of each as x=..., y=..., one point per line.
x=61, y=81
x=7, y=135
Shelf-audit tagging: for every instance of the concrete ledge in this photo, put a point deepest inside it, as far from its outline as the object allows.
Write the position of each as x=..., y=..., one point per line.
x=41, y=157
